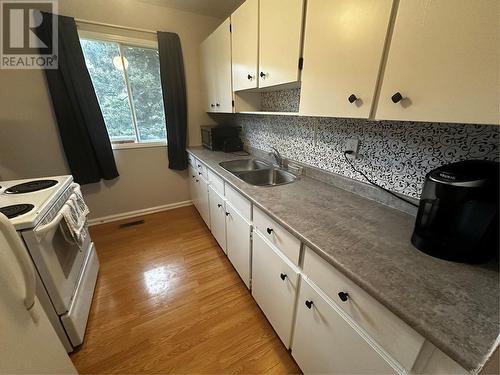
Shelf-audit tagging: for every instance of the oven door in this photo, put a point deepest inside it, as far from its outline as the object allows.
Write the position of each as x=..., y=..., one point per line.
x=58, y=259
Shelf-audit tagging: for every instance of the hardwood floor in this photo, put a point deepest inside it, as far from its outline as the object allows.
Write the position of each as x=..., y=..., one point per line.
x=169, y=301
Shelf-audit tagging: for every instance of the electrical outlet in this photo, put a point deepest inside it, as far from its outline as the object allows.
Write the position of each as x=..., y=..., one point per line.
x=352, y=144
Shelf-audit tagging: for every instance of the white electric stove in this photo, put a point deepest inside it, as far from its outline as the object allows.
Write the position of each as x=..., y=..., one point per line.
x=66, y=269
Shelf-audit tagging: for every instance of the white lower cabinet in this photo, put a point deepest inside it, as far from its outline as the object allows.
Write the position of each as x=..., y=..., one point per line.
x=202, y=199
x=326, y=343
x=192, y=186
x=274, y=286
x=238, y=242
x=217, y=217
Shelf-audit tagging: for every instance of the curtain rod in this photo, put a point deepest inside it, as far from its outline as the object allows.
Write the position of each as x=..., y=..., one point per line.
x=79, y=20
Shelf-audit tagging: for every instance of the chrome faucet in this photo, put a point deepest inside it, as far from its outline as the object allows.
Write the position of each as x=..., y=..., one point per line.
x=277, y=157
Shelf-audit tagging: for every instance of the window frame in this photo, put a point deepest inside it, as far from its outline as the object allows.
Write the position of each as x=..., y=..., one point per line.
x=124, y=41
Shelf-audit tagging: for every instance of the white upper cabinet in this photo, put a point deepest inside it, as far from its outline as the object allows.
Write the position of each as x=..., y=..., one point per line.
x=343, y=48
x=245, y=42
x=280, y=41
x=223, y=67
x=216, y=69
x=208, y=74
x=443, y=63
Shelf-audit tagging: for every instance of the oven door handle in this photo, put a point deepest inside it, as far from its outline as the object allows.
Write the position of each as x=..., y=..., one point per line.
x=24, y=262
x=42, y=230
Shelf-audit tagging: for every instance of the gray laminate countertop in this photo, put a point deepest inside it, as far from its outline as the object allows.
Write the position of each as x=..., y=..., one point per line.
x=453, y=305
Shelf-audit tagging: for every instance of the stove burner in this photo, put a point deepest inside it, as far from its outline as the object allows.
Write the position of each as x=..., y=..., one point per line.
x=16, y=210
x=31, y=186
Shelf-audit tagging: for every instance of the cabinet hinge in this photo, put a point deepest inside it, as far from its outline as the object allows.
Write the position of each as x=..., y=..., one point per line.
x=301, y=63
x=232, y=103
x=230, y=28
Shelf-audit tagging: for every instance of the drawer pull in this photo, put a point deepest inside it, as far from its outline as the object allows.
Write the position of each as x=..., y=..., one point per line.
x=352, y=98
x=283, y=276
x=197, y=180
x=343, y=296
x=269, y=230
x=397, y=97
x=219, y=205
x=309, y=304
x=199, y=173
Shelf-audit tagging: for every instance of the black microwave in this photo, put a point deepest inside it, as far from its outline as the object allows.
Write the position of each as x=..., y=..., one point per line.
x=221, y=138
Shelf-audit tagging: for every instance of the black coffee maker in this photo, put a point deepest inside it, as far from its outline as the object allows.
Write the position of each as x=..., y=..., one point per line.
x=458, y=214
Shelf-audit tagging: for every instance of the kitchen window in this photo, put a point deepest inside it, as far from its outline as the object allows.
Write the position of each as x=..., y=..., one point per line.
x=126, y=78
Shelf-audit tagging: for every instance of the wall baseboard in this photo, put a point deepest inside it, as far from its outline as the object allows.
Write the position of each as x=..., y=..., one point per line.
x=130, y=214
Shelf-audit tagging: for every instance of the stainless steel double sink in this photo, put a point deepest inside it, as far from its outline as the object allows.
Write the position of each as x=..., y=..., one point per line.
x=258, y=173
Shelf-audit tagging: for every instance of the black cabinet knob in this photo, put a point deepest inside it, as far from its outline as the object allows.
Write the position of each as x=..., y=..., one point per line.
x=227, y=214
x=262, y=74
x=218, y=105
x=194, y=176
x=309, y=304
x=343, y=296
x=249, y=77
x=212, y=105
x=283, y=276
x=197, y=180
x=269, y=230
x=352, y=98
x=199, y=173
x=219, y=205
x=397, y=97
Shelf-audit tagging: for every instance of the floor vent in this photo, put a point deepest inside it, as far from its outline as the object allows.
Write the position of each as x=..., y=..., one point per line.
x=132, y=223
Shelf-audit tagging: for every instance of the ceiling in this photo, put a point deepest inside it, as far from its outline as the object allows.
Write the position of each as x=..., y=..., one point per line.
x=215, y=8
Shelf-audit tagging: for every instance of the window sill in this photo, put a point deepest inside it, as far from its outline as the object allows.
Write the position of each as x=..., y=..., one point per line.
x=124, y=146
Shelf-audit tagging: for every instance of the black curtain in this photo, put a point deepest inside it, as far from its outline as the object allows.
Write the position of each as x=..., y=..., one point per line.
x=79, y=118
x=173, y=85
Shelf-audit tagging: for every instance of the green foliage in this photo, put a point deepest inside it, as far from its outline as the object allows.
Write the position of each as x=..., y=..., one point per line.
x=110, y=85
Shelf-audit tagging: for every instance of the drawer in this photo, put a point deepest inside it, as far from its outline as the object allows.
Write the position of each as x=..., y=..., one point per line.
x=395, y=336
x=191, y=160
x=239, y=202
x=216, y=182
x=277, y=235
x=201, y=169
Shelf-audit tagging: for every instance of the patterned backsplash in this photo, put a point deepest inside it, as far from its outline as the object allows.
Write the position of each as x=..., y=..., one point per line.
x=397, y=155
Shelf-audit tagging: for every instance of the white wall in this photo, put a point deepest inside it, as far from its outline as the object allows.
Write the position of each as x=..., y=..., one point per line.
x=29, y=139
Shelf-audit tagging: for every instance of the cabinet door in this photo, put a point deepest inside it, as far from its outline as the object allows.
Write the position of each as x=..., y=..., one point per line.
x=207, y=70
x=245, y=45
x=217, y=217
x=443, y=58
x=343, y=48
x=238, y=232
x=274, y=286
x=202, y=197
x=222, y=64
x=280, y=41
x=193, y=188
x=325, y=343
